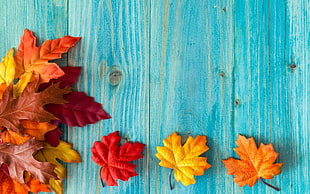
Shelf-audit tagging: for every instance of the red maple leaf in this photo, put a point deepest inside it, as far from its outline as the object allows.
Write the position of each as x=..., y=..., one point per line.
x=114, y=159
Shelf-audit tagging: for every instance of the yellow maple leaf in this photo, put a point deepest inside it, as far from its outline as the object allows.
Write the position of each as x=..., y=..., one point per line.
x=62, y=152
x=7, y=68
x=184, y=160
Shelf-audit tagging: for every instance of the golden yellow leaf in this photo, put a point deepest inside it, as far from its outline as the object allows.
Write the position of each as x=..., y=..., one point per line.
x=184, y=159
x=22, y=83
x=7, y=68
x=37, y=129
x=254, y=164
x=62, y=152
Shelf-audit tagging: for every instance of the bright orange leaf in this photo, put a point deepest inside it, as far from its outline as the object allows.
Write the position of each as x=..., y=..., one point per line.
x=9, y=136
x=10, y=186
x=32, y=59
x=2, y=89
x=37, y=129
x=254, y=164
x=184, y=159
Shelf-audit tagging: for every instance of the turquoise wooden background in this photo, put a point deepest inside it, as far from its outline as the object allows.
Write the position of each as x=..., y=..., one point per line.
x=209, y=67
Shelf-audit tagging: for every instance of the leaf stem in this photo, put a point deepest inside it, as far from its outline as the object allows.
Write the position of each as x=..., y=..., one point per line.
x=269, y=185
x=102, y=183
x=170, y=174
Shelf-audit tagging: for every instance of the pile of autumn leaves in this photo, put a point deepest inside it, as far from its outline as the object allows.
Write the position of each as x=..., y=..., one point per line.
x=35, y=96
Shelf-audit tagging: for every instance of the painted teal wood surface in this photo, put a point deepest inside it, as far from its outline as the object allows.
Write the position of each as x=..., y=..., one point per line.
x=215, y=68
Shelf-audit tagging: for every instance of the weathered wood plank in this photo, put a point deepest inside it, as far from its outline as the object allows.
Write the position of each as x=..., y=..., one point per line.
x=115, y=37
x=252, y=78
x=291, y=92
x=191, y=85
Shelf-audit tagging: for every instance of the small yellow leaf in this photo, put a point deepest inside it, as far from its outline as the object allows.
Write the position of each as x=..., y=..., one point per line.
x=22, y=83
x=7, y=68
x=184, y=159
x=62, y=152
x=37, y=129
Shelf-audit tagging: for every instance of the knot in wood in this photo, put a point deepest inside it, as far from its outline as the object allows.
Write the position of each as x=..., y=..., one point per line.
x=237, y=102
x=115, y=77
x=293, y=66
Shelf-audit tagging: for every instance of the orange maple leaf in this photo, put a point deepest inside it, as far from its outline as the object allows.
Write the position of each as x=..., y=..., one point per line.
x=30, y=58
x=254, y=164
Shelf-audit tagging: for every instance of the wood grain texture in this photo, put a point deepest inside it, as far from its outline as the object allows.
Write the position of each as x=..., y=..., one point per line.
x=218, y=68
x=115, y=37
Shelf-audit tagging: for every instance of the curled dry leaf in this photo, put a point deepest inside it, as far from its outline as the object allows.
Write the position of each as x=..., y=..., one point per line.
x=254, y=163
x=184, y=159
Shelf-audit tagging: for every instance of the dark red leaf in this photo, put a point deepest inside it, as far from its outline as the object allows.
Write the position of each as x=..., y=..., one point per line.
x=53, y=137
x=79, y=111
x=67, y=80
x=114, y=159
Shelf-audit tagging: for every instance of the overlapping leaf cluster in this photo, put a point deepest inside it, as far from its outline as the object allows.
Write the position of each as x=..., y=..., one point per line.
x=35, y=96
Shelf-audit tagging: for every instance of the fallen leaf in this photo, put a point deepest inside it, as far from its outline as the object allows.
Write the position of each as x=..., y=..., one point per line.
x=10, y=186
x=20, y=159
x=80, y=110
x=114, y=159
x=7, y=68
x=29, y=105
x=67, y=80
x=36, y=129
x=53, y=137
x=2, y=89
x=184, y=159
x=9, y=136
x=30, y=58
x=254, y=164
x=63, y=152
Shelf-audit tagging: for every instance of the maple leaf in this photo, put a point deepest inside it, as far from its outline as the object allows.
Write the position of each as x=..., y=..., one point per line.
x=30, y=58
x=80, y=110
x=254, y=164
x=63, y=152
x=184, y=159
x=10, y=186
x=29, y=105
x=114, y=159
x=12, y=155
